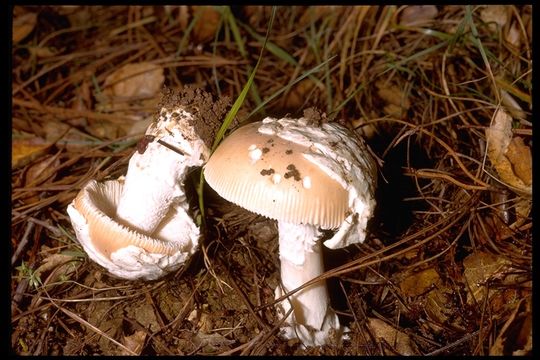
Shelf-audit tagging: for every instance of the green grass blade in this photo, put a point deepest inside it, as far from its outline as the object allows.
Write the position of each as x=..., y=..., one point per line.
x=478, y=43
x=229, y=118
x=397, y=64
x=241, y=47
x=214, y=53
x=277, y=51
x=235, y=31
x=273, y=48
x=285, y=88
x=183, y=41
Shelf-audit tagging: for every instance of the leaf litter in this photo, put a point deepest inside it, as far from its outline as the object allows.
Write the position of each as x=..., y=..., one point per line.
x=447, y=267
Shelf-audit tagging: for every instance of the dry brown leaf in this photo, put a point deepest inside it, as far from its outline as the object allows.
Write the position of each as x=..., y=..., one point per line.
x=527, y=19
x=499, y=135
x=26, y=149
x=392, y=95
x=135, y=80
x=134, y=342
x=182, y=19
x=112, y=328
x=106, y=130
x=205, y=338
x=39, y=174
x=23, y=25
x=418, y=283
x=499, y=144
x=435, y=306
x=82, y=101
x=53, y=261
x=296, y=97
x=193, y=316
x=57, y=267
x=418, y=15
x=479, y=268
x=66, y=137
x=65, y=10
x=256, y=13
x=314, y=13
x=41, y=170
x=206, y=27
x=520, y=157
x=76, y=16
x=523, y=209
x=439, y=310
x=513, y=35
x=145, y=315
x=364, y=128
x=212, y=342
x=399, y=340
x=397, y=103
x=202, y=319
x=515, y=337
x=42, y=51
x=138, y=127
x=502, y=300
x=497, y=14
x=393, y=110
x=205, y=323
x=132, y=86
x=512, y=106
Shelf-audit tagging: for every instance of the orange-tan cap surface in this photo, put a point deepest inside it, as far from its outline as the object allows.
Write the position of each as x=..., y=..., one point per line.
x=270, y=176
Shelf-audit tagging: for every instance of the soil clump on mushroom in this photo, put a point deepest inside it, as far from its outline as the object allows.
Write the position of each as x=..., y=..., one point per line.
x=208, y=112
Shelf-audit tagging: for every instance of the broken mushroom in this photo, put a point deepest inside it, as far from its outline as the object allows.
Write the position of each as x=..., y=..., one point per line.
x=138, y=226
x=309, y=178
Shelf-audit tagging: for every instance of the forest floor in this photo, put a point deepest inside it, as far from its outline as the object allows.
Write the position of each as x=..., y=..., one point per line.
x=442, y=95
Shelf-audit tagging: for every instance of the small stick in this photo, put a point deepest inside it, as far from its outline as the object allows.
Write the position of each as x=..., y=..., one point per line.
x=23, y=242
x=173, y=148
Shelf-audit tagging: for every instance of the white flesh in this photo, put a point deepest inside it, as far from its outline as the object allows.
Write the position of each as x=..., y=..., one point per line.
x=312, y=320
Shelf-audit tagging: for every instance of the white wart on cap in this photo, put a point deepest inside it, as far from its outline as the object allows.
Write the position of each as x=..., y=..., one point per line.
x=269, y=175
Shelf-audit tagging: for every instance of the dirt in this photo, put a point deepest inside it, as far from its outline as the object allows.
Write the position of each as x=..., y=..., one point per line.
x=188, y=312
x=208, y=113
x=315, y=116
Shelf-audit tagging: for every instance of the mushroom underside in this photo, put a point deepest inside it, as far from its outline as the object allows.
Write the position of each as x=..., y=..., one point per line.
x=122, y=251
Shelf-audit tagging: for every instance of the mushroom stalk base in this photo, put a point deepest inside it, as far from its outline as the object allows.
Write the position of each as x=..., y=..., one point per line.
x=312, y=320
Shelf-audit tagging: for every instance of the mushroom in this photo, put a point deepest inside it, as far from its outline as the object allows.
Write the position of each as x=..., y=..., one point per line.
x=139, y=226
x=309, y=178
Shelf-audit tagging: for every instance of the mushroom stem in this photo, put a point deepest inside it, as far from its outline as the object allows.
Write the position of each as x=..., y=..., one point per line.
x=154, y=180
x=312, y=318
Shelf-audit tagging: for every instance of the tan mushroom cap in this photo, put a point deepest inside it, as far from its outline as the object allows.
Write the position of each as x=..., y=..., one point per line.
x=268, y=175
x=97, y=203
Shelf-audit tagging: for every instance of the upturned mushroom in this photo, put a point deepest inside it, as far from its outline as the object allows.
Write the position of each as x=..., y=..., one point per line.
x=309, y=178
x=139, y=226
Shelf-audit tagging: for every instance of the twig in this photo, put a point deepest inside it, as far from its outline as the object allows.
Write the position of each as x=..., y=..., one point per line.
x=70, y=113
x=432, y=174
x=246, y=300
x=245, y=346
x=21, y=288
x=94, y=328
x=22, y=243
x=454, y=344
x=45, y=224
